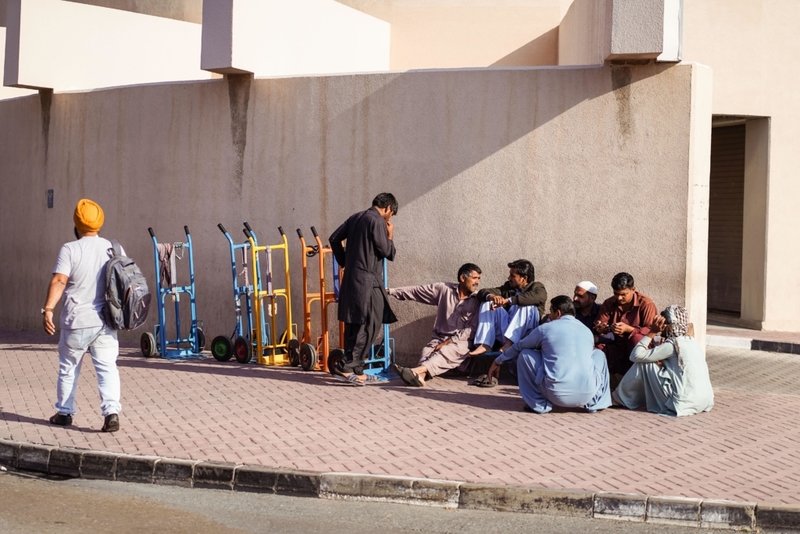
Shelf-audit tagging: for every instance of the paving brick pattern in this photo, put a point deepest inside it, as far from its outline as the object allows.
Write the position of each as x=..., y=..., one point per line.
x=747, y=448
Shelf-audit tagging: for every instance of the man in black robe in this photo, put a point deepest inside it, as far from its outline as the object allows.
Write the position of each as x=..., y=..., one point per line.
x=363, y=306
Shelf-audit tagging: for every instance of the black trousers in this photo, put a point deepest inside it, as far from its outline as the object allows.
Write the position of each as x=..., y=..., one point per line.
x=358, y=338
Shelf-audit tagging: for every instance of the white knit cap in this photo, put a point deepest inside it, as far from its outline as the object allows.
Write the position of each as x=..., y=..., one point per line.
x=588, y=286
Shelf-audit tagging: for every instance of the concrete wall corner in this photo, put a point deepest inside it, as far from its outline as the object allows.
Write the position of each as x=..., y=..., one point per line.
x=697, y=220
x=637, y=29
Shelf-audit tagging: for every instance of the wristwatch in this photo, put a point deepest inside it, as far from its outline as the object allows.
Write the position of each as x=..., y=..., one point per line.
x=46, y=310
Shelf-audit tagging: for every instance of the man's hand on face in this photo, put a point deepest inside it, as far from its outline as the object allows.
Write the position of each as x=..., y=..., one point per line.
x=47, y=321
x=658, y=324
x=390, y=228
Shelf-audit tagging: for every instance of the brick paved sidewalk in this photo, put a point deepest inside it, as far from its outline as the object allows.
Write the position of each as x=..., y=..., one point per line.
x=747, y=448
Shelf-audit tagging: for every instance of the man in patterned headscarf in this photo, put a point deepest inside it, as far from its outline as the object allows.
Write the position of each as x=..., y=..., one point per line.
x=671, y=378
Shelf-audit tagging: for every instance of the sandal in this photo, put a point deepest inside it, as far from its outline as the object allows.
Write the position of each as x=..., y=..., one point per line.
x=488, y=383
x=350, y=379
x=411, y=378
x=483, y=381
x=478, y=381
x=372, y=379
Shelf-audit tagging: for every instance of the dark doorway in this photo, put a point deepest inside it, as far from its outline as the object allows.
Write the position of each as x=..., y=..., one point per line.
x=726, y=219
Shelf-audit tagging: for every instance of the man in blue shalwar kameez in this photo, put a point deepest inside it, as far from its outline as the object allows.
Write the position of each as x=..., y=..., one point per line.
x=558, y=364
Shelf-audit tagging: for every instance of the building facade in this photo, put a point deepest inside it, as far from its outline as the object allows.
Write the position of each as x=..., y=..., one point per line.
x=590, y=136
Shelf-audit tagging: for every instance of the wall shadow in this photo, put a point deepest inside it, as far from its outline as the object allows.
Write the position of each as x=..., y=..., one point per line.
x=541, y=51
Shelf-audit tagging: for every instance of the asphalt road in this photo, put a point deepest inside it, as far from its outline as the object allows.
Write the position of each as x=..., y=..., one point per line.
x=30, y=504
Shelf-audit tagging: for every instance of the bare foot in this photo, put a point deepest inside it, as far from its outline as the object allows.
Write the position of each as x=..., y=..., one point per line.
x=479, y=350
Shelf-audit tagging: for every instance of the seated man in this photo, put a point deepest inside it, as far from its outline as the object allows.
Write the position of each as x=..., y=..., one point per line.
x=672, y=377
x=455, y=323
x=509, y=312
x=558, y=364
x=622, y=321
x=586, y=307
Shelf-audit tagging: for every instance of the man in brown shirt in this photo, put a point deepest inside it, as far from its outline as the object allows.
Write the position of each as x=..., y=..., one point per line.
x=623, y=320
x=454, y=327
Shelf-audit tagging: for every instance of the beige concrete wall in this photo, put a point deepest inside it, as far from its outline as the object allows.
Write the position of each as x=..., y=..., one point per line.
x=745, y=43
x=186, y=10
x=584, y=36
x=301, y=37
x=697, y=217
x=594, y=31
x=70, y=46
x=9, y=92
x=586, y=172
x=754, y=249
x=469, y=33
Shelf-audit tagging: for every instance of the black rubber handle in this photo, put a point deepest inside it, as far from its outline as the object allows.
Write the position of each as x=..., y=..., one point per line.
x=186, y=229
x=299, y=233
x=247, y=232
x=222, y=228
x=280, y=229
x=247, y=225
x=314, y=231
x=152, y=234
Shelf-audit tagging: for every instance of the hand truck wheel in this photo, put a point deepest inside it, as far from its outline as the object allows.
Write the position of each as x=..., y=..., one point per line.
x=201, y=340
x=242, y=350
x=221, y=348
x=308, y=357
x=336, y=361
x=148, y=345
x=294, y=352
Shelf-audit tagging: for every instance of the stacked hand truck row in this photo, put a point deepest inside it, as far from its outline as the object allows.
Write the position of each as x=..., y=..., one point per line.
x=256, y=297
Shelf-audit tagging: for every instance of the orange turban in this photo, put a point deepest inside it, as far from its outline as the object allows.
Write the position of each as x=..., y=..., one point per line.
x=88, y=216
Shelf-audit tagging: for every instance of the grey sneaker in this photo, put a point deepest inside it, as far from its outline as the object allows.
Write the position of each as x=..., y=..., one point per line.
x=111, y=423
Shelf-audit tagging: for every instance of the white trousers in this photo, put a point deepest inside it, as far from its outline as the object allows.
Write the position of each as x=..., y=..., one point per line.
x=101, y=342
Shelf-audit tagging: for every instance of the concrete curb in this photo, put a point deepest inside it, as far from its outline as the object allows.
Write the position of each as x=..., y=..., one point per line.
x=702, y=513
x=746, y=343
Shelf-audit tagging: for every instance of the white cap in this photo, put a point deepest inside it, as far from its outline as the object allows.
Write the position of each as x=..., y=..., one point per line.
x=588, y=286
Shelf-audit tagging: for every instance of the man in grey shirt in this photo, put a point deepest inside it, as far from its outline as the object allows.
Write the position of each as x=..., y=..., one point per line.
x=456, y=319
x=79, y=275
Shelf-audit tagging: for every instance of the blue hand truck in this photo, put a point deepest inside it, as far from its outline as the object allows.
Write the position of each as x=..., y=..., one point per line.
x=381, y=354
x=156, y=343
x=222, y=346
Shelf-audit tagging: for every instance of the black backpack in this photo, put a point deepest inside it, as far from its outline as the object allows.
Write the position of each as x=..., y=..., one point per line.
x=127, y=296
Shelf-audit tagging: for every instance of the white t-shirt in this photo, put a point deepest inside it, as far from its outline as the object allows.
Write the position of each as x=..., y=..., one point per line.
x=82, y=262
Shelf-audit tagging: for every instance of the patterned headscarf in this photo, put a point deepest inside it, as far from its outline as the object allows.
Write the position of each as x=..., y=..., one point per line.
x=677, y=321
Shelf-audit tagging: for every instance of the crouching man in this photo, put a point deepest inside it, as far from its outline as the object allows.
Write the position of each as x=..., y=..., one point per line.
x=453, y=329
x=558, y=364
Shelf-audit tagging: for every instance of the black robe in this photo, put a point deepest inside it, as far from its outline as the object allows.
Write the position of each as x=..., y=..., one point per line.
x=368, y=244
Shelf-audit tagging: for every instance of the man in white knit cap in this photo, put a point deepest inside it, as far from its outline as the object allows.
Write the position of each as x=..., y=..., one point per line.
x=586, y=309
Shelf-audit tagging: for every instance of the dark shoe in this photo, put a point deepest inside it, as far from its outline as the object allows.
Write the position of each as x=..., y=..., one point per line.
x=411, y=378
x=112, y=423
x=399, y=370
x=61, y=419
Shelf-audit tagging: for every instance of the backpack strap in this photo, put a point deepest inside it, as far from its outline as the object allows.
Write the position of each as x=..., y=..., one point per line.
x=116, y=247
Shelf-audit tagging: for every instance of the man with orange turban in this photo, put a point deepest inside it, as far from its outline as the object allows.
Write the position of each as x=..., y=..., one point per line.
x=78, y=277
